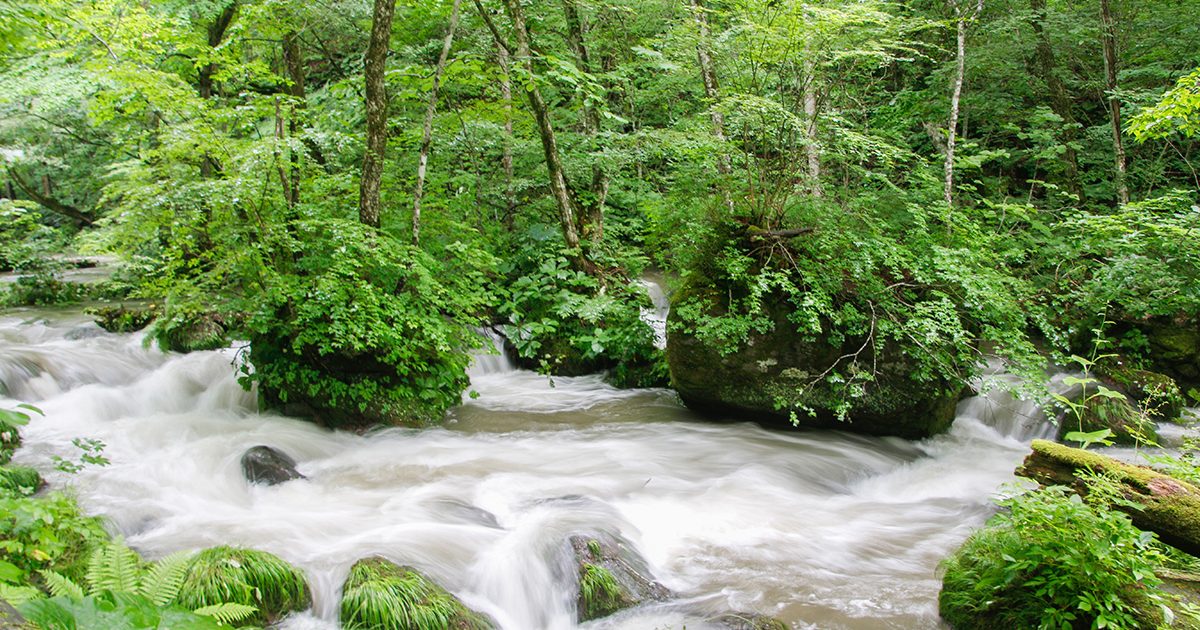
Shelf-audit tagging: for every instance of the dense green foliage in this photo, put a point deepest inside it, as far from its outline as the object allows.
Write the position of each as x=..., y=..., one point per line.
x=771, y=154
x=380, y=595
x=228, y=575
x=1054, y=561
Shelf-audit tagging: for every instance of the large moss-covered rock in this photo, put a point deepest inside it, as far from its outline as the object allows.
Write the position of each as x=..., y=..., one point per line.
x=382, y=595
x=245, y=576
x=1115, y=412
x=1175, y=349
x=779, y=371
x=611, y=577
x=1157, y=395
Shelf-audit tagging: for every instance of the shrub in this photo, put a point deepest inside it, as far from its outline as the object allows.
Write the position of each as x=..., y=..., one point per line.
x=1053, y=561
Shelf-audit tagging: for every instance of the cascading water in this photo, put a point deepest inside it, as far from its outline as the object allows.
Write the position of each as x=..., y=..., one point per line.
x=821, y=529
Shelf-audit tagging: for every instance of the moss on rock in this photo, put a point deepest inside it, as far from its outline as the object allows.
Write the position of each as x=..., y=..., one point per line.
x=1128, y=425
x=611, y=577
x=19, y=479
x=381, y=595
x=244, y=576
x=1158, y=395
x=1175, y=349
x=779, y=374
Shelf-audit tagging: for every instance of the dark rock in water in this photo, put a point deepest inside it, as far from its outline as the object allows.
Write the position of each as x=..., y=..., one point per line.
x=382, y=594
x=612, y=577
x=780, y=370
x=83, y=332
x=749, y=621
x=467, y=513
x=10, y=619
x=1175, y=349
x=268, y=466
x=1158, y=395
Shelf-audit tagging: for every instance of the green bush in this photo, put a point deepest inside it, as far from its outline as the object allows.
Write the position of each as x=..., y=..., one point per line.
x=46, y=533
x=1053, y=561
x=563, y=321
x=366, y=329
x=229, y=575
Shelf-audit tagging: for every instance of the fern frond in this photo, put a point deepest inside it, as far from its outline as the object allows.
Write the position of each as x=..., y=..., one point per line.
x=62, y=586
x=161, y=583
x=114, y=567
x=228, y=613
x=17, y=595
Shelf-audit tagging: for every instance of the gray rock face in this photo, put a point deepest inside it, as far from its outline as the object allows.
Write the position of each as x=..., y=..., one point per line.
x=10, y=619
x=612, y=577
x=268, y=466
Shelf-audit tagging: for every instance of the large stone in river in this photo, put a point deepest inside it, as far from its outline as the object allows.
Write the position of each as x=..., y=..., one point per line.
x=612, y=577
x=382, y=595
x=778, y=372
x=268, y=466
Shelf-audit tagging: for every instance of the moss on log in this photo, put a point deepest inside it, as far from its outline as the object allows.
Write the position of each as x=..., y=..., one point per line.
x=1169, y=507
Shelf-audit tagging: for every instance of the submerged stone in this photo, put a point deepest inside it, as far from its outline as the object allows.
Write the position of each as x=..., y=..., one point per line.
x=749, y=621
x=268, y=466
x=611, y=577
x=382, y=595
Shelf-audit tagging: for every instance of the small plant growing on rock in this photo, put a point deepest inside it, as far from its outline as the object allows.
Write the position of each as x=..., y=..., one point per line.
x=244, y=576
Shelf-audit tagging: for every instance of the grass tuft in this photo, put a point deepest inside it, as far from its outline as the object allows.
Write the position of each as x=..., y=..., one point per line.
x=223, y=575
x=380, y=595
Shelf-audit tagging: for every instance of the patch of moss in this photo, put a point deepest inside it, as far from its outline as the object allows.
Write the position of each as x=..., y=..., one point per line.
x=599, y=593
x=19, y=480
x=381, y=595
x=118, y=319
x=1158, y=395
x=244, y=576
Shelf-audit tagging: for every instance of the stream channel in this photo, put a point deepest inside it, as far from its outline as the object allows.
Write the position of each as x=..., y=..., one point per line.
x=820, y=529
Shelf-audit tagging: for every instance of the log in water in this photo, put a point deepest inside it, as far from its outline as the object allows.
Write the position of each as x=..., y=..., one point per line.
x=821, y=529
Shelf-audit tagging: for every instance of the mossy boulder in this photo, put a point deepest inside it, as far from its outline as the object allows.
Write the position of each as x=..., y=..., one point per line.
x=19, y=480
x=1175, y=349
x=382, y=595
x=611, y=577
x=190, y=330
x=119, y=319
x=780, y=371
x=245, y=576
x=1157, y=395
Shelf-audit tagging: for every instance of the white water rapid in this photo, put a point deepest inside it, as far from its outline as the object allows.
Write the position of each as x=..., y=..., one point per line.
x=821, y=529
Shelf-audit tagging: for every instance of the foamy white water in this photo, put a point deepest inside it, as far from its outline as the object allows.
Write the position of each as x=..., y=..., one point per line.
x=822, y=529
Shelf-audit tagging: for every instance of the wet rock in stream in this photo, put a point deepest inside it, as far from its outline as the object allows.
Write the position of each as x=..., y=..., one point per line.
x=268, y=466
x=612, y=577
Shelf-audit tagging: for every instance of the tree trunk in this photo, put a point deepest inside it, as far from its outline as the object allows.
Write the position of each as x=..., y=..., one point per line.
x=1114, y=103
x=1170, y=507
x=592, y=225
x=294, y=63
x=374, y=66
x=427, y=130
x=204, y=78
x=506, y=158
x=810, y=114
x=711, y=91
x=559, y=188
x=1060, y=99
x=46, y=200
x=960, y=71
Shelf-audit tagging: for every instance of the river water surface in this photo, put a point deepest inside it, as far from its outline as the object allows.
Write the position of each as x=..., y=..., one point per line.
x=821, y=529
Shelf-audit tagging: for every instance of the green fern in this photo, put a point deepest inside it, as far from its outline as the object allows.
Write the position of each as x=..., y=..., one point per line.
x=17, y=595
x=161, y=583
x=61, y=586
x=227, y=613
x=114, y=567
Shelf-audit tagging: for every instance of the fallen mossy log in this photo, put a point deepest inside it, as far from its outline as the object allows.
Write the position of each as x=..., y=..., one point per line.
x=1169, y=507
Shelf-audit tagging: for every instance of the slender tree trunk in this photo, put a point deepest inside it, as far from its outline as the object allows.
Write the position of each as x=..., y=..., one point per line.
x=592, y=224
x=1114, y=103
x=46, y=199
x=559, y=188
x=712, y=92
x=1060, y=99
x=204, y=76
x=427, y=130
x=961, y=19
x=811, y=148
x=294, y=63
x=506, y=158
x=374, y=66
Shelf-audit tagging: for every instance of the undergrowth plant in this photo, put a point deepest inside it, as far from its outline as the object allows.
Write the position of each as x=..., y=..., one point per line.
x=244, y=576
x=380, y=595
x=1053, y=560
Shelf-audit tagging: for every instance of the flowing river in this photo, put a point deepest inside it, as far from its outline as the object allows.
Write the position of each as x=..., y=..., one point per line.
x=821, y=529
